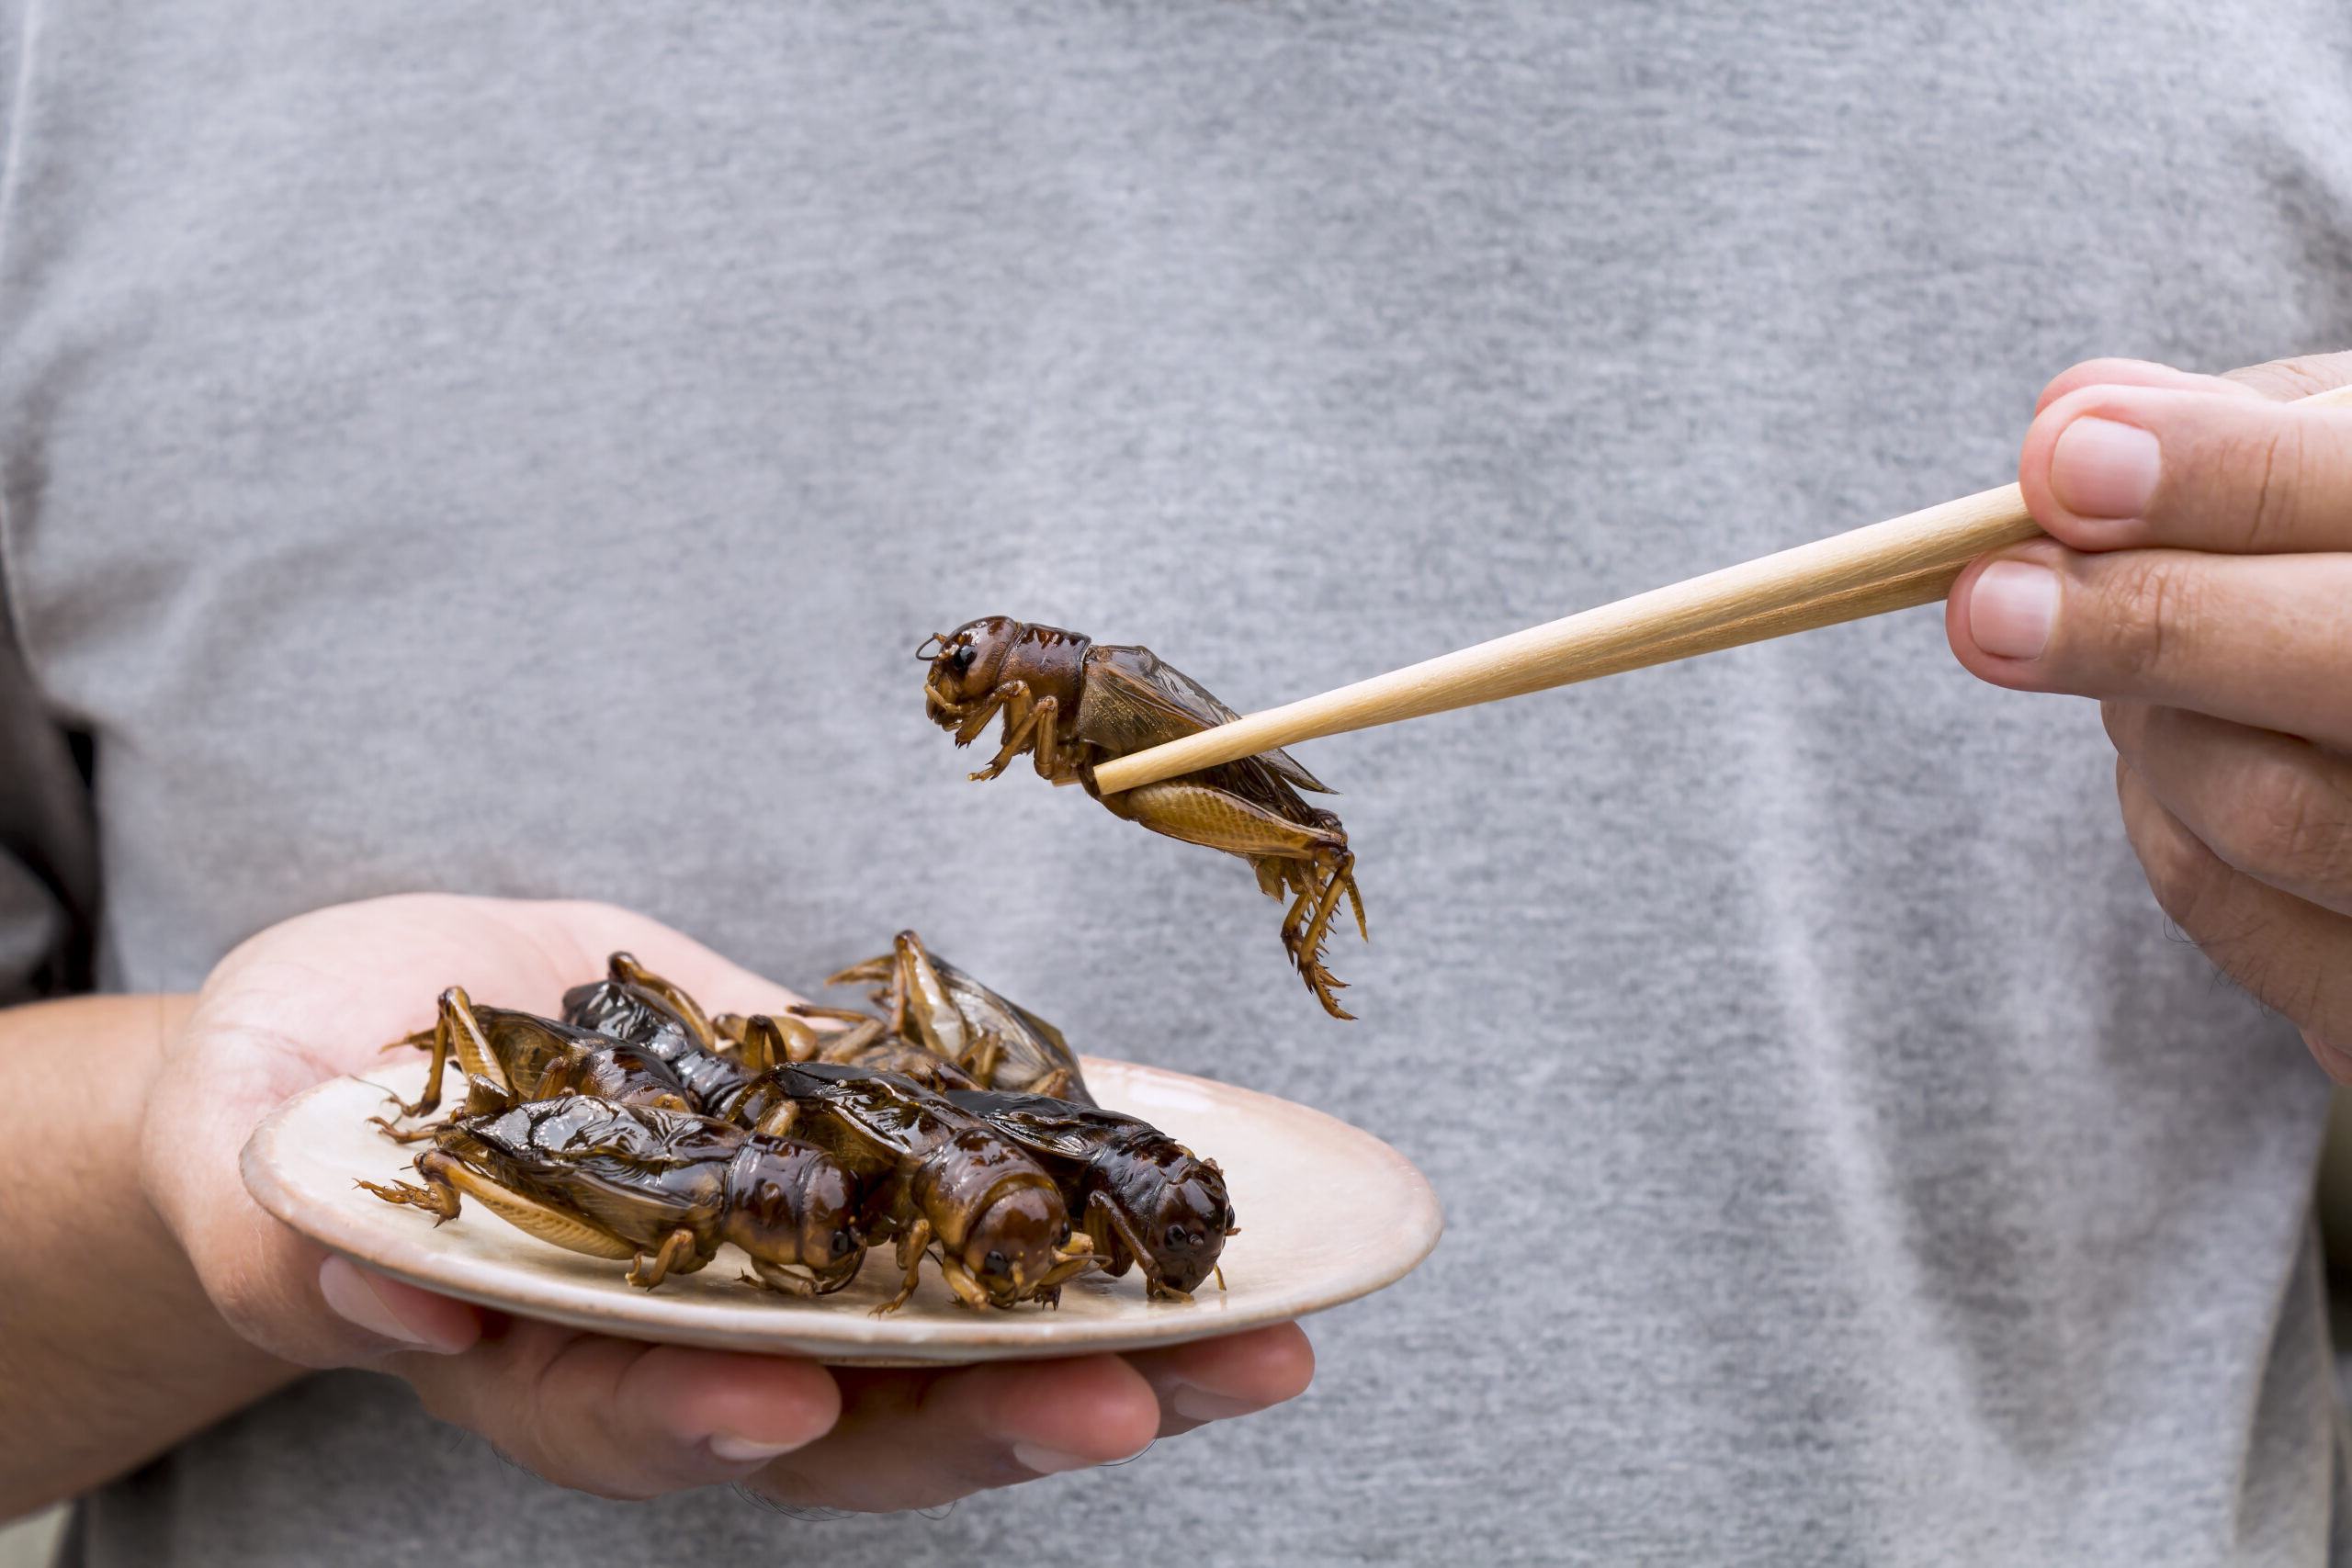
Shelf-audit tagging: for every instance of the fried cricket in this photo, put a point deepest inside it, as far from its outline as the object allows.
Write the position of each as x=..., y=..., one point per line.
x=998, y=1044
x=1142, y=1197
x=933, y=1175
x=1070, y=704
x=508, y=1056
x=659, y=1189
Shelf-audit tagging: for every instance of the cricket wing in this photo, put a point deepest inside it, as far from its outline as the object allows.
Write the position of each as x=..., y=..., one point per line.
x=1133, y=700
x=1041, y=1125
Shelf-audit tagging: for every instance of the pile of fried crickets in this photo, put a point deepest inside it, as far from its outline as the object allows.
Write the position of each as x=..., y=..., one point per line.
x=956, y=1125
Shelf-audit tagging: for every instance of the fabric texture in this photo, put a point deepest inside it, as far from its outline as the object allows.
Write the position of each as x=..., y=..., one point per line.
x=515, y=449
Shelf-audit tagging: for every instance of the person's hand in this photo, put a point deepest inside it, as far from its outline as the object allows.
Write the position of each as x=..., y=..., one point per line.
x=2199, y=581
x=321, y=994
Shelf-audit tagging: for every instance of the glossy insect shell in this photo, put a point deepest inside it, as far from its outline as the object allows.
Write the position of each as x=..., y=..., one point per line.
x=1165, y=1196
x=787, y=1202
x=979, y=656
x=981, y=1194
x=1169, y=1194
x=622, y=1011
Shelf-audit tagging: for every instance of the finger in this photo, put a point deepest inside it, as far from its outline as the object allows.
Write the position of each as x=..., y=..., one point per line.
x=2271, y=806
x=2292, y=957
x=625, y=1419
x=2135, y=373
x=2284, y=380
x=916, y=1440
x=402, y=1317
x=2108, y=468
x=2260, y=640
x=1234, y=1374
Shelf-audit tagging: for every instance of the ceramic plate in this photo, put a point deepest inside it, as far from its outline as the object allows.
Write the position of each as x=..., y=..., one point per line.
x=1327, y=1212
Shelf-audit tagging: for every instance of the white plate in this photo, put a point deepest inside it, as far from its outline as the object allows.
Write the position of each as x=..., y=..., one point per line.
x=1327, y=1213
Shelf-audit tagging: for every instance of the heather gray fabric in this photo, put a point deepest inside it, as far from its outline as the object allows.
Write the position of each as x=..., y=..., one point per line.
x=515, y=448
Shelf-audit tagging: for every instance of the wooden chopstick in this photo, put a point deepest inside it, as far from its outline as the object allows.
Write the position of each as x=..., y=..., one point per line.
x=1912, y=559
x=1841, y=577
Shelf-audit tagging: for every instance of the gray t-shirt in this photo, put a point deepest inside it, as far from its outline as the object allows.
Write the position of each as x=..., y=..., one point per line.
x=514, y=448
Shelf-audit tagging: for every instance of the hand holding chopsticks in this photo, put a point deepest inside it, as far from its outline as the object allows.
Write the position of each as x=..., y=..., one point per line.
x=1912, y=559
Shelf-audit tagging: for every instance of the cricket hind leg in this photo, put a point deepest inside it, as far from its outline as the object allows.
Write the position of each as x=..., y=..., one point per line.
x=1319, y=885
x=446, y=1176
x=1338, y=868
x=437, y=1196
x=1309, y=858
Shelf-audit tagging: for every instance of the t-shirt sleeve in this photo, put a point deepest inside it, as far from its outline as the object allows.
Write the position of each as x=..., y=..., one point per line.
x=49, y=883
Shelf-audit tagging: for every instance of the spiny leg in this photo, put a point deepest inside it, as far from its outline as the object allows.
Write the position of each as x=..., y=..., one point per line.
x=1294, y=917
x=573, y=1233
x=1337, y=877
x=438, y=1196
x=1306, y=923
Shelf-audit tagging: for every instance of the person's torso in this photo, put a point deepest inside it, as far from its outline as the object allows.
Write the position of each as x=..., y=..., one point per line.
x=516, y=450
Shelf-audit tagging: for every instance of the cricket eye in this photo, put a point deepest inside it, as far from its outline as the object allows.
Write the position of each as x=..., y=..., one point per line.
x=1176, y=1236
x=996, y=1263
x=961, y=659
x=842, y=1243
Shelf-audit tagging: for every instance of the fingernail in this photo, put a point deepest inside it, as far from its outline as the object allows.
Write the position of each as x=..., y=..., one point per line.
x=355, y=1299
x=1048, y=1461
x=2012, y=608
x=2102, y=468
x=1199, y=1405
x=748, y=1450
